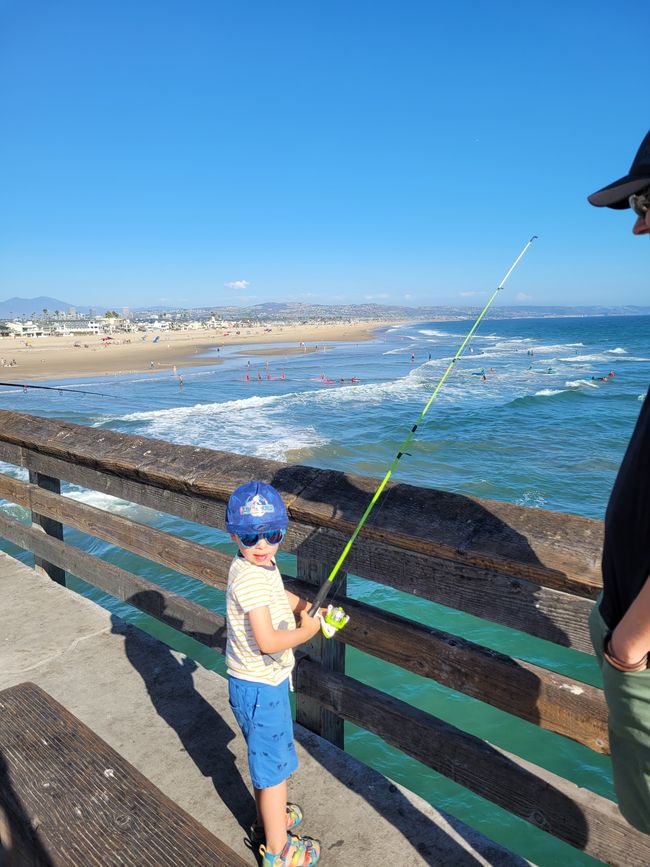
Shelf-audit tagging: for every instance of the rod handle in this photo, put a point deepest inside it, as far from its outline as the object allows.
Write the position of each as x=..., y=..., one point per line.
x=323, y=590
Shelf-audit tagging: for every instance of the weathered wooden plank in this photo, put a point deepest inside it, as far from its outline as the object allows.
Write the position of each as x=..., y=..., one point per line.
x=549, y=700
x=51, y=527
x=562, y=551
x=559, y=704
x=191, y=507
x=486, y=593
x=182, y=614
x=329, y=654
x=517, y=603
x=181, y=468
x=585, y=820
x=187, y=557
x=72, y=799
x=556, y=703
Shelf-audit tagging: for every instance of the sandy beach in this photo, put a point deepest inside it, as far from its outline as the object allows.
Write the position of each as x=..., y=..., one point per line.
x=49, y=357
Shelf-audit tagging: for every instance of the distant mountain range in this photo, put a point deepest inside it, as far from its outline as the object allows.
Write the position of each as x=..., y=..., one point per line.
x=296, y=310
x=34, y=306
x=271, y=310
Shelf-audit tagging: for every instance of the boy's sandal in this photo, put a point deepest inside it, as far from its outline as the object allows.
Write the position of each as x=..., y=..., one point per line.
x=298, y=852
x=294, y=818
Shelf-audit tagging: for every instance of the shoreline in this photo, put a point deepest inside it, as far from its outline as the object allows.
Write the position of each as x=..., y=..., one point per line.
x=71, y=357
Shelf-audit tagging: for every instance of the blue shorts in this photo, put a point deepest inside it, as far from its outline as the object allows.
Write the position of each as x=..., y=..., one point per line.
x=264, y=716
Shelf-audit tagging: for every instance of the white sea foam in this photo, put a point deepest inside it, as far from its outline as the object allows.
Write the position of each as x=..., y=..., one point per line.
x=580, y=383
x=549, y=392
x=262, y=426
x=431, y=332
x=103, y=501
x=580, y=359
x=605, y=358
x=207, y=409
x=14, y=471
x=532, y=499
x=367, y=393
x=618, y=351
x=555, y=348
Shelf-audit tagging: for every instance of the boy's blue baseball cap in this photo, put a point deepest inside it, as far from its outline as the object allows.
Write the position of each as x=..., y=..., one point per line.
x=255, y=508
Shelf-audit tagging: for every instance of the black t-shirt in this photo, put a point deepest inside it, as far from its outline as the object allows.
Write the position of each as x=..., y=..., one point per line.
x=626, y=551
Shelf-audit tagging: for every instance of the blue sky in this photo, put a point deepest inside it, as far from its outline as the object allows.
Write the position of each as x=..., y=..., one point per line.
x=210, y=152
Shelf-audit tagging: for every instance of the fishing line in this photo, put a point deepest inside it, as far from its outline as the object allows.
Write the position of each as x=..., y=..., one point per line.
x=60, y=388
x=326, y=586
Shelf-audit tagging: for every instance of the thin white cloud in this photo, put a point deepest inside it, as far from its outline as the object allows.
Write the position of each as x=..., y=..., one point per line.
x=237, y=284
x=521, y=296
x=379, y=296
x=471, y=294
x=408, y=296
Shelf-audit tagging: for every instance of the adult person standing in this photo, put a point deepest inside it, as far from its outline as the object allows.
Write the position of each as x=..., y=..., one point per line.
x=620, y=621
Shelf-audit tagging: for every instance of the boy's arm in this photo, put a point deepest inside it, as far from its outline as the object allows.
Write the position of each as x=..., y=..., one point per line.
x=270, y=640
x=298, y=604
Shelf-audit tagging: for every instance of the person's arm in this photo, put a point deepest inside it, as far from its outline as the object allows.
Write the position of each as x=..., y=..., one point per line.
x=298, y=604
x=629, y=643
x=270, y=640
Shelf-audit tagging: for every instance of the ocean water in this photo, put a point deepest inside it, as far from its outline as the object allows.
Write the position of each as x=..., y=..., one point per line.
x=538, y=413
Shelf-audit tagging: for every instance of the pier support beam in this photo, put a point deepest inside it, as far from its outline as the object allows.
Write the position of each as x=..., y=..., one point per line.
x=47, y=525
x=326, y=651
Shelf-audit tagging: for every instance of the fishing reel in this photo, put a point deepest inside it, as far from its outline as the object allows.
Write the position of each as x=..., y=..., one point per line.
x=333, y=620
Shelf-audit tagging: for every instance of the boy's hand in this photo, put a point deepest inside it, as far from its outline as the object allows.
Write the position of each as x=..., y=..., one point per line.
x=311, y=625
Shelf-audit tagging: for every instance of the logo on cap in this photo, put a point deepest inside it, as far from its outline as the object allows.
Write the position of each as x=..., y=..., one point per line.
x=256, y=506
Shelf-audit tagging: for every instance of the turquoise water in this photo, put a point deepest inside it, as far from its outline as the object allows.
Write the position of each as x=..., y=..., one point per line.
x=541, y=429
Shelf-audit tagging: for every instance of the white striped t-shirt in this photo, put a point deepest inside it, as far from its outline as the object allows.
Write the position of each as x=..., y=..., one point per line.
x=250, y=587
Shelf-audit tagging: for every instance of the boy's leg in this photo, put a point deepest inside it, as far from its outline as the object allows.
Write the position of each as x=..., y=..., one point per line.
x=272, y=809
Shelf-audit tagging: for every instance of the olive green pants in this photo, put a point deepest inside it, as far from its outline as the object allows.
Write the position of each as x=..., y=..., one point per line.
x=628, y=701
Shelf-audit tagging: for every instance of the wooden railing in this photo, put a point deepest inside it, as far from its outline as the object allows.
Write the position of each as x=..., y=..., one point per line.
x=533, y=570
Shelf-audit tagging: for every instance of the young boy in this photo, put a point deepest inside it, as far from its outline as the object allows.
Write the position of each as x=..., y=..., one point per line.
x=262, y=631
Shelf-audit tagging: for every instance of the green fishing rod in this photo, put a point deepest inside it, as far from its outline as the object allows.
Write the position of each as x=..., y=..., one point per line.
x=336, y=618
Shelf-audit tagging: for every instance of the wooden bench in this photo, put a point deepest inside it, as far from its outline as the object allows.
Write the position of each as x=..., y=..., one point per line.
x=67, y=799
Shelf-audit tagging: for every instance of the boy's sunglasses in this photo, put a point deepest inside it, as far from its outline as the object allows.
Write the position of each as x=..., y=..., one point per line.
x=273, y=537
x=640, y=203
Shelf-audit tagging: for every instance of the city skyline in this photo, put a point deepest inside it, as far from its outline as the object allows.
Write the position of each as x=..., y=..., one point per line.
x=358, y=153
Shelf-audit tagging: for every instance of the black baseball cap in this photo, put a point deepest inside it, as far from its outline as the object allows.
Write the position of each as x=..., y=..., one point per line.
x=616, y=195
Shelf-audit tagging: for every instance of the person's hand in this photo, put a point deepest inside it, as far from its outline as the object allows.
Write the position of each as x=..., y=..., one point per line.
x=310, y=625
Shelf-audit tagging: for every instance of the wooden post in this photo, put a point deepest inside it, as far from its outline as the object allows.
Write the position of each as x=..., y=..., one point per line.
x=326, y=651
x=47, y=525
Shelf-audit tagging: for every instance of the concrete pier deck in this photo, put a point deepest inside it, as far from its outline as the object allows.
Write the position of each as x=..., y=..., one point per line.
x=171, y=720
